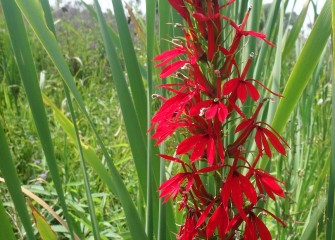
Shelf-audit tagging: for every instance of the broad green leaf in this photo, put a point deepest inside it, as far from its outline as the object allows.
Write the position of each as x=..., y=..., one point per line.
x=304, y=67
x=43, y=227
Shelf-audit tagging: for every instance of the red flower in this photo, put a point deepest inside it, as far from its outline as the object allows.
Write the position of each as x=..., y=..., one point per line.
x=242, y=89
x=188, y=231
x=219, y=219
x=173, y=107
x=266, y=181
x=255, y=229
x=210, y=108
x=197, y=143
x=173, y=186
x=234, y=187
x=264, y=135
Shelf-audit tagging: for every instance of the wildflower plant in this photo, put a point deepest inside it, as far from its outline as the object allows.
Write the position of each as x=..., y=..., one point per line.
x=209, y=97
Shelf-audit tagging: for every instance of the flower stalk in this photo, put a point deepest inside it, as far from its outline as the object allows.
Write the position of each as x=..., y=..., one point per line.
x=211, y=86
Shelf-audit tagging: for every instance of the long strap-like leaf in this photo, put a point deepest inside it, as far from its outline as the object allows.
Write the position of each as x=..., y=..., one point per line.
x=28, y=75
x=8, y=171
x=133, y=70
x=330, y=212
x=34, y=15
x=304, y=67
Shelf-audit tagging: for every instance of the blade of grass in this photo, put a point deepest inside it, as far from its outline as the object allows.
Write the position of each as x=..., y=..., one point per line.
x=135, y=135
x=130, y=59
x=150, y=20
x=95, y=226
x=303, y=68
x=164, y=13
x=6, y=232
x=270, y=32
x=9, y=173
x=34, y=15
x=112, y=33
x=295, y=31
x=89, y=154
x=314, y=217
x=29, y=78
x=330, y=212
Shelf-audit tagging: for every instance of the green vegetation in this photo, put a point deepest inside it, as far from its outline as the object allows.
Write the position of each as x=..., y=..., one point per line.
x=92, y=76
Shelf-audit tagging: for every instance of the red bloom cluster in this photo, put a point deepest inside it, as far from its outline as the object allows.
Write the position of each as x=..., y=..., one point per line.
x=208, y=99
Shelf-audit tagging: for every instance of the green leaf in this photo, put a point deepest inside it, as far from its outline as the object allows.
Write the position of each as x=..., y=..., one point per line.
x=295, y=31
x=43, y=227
x=133, y=70
x=89, y=154
x=6, y=232
x=313, y=219
x=304, y=67
x=11, y=178
x=330, y=212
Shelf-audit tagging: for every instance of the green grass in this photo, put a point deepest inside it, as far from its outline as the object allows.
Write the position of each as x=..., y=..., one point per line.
x=38, y=142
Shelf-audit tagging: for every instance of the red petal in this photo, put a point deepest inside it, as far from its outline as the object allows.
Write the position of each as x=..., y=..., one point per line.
x=230, y=86
x=258, y=35
x=213, y=222
x=244, y=124
x=199, y=149
x=222, y=112
x=258, y=140
x=208, y=169
x=220, y=150
x=275, y=141
x=189, y=183
x=172, y=68
x=273, y=185
x=211, y=40
x=188, y=144
x=172, y=52
x=252, y=91
x=211, y=111
x=263, y=231
x=211, y=151
x=169, y=158
x=250, y=232
x=266, y=145
x=224, y=222
x=204, y=214
x=195, y=110
x=237, y=196
x=180, y=7
x=242, y=92
x=172, y=181
x=226, y=190
x=200, y=17
x=248, y=189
